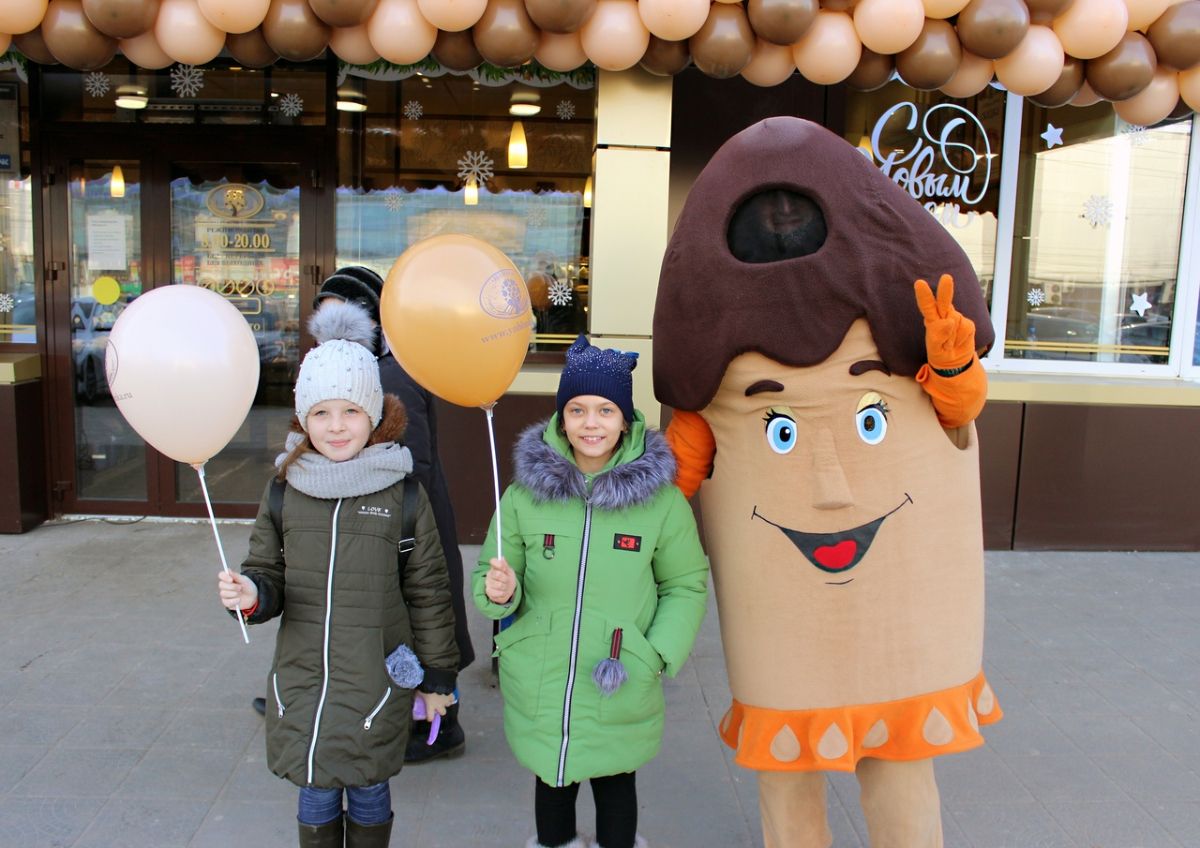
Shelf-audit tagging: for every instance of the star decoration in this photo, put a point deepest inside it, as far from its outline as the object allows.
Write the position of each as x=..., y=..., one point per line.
x=1141, y=303
x=1052, y=136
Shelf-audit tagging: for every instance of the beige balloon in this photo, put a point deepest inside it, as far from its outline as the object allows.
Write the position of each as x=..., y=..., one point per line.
x=615, y=38
x=353, y=45
x=143, y=50
x=182, y=364
x=399, y=32
x=943, y=9
x=830, y=50
x=771, y=64
x=1152, y=103
x=973, y=75
x=236, y=16
x=452, y=15
x=560, y=51
x=18, y=16
x=1142, y=13
x=1034, y=65
x=673, y=20
x=888, y=26
x=1086, y=96
x=185, y=34
x=1090, y=28
x=1189, y=87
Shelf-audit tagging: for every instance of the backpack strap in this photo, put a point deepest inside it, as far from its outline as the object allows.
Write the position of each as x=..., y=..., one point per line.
x=408, y=521
x=275, y=506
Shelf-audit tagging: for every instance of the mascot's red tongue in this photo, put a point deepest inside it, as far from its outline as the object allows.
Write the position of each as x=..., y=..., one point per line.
x=836, y=556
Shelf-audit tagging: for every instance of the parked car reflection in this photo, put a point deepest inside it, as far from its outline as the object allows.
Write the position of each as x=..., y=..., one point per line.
x=91, y=322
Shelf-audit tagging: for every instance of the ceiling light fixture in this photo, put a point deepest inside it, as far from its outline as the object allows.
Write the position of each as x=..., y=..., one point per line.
x=131, y=97
x=524, y=104
x=116, y=186
x=518, y=150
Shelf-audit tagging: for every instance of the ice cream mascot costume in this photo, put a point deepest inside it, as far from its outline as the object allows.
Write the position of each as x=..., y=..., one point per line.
x=825, y=399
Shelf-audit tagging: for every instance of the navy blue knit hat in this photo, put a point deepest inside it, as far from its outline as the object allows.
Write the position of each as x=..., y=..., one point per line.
x=604, y=372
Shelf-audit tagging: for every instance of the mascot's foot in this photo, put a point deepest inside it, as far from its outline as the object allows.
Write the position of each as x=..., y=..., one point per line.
x=638, y=842
x=577, y=842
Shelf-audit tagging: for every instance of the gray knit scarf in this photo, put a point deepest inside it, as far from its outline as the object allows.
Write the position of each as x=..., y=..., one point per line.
x=373, y=470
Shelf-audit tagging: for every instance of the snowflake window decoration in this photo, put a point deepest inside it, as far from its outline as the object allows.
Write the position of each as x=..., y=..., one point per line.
x=560, y=293
x=565, y=110
x=186, y=80
x=476, y=165
x=1036, y=297
x=291, y=105
x=1098, y=211
x=393, y=201
x=7, y=302
x=537, y=216
x=1136, y=134
x=96, y=84
x=413, y=110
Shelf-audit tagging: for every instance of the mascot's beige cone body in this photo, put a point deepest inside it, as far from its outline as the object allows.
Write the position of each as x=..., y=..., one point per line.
x=842, y=511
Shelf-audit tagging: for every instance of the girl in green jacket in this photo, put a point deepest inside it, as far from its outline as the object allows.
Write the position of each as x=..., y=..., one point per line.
x=337, y=722
x=603, y=573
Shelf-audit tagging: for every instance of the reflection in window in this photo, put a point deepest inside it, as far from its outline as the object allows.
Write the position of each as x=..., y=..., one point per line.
x=18, y=298
x=443, y=154
x=945, y=153
x=1096, y=238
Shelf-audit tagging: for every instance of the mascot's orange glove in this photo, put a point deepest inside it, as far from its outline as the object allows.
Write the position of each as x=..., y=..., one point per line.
x=692, y=442
x=952, y=377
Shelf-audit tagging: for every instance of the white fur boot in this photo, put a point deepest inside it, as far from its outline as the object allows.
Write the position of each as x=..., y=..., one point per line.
x=577, y=842
x=638, y=842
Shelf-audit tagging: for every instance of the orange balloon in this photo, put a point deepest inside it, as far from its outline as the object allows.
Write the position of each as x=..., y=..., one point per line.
x=1035, y=64
x=829, y=51
x=1090, y=28
x=353, y=45
x=143, y=51
x=888, y=26
x=21, y=16
x=973, y=75
x=1189, y=87
x=1152, y=103
x=455, y=312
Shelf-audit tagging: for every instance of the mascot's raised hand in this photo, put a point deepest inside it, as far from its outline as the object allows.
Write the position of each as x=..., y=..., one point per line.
x=951, y=377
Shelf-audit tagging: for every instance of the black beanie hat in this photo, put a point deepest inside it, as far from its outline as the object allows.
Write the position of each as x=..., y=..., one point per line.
x=604, y=372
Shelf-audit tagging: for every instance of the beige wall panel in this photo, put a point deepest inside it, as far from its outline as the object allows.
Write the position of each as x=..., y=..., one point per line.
x=629, y=237
x=633, y=109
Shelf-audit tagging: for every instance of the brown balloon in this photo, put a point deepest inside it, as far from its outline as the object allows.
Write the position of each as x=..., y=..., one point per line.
x=294, y=31
x=1125, y=70
x=505, y=35
x=33, y=46
x=725, y=44
x=250, y=49
x=781, y=21
x=456, y=51
x=992, y=28
x=121, y=18
x=559, y=15
x=665, y=58
x=873, y=71
x=1068, y=85
x=1176, y=35
x=71, y=38
x=1042, y=12
x=839, y=5
x=343, y=13
x=931, y=60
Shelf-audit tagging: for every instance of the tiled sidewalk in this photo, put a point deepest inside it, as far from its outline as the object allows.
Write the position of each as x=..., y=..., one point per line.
x=125, y=718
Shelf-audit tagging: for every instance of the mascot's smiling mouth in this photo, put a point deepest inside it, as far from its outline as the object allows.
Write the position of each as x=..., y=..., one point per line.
x=835, y=553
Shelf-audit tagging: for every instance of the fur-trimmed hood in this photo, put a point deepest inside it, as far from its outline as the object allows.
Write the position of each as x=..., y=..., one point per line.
x=644, y=465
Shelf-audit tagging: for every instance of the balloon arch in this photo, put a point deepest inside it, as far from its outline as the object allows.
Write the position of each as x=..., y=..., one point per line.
x=1143, y=55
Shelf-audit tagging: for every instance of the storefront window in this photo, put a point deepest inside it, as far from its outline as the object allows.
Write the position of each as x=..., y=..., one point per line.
x=1096, y=238
x=945, y=153
x=505, y=157
x=18, y=298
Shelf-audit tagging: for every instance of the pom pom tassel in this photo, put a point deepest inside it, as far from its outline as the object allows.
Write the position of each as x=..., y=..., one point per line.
x=609, y=673
x=404, y=668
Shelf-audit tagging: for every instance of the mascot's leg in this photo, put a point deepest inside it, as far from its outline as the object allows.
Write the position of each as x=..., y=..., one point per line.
x=792, y=804
x=900, y=803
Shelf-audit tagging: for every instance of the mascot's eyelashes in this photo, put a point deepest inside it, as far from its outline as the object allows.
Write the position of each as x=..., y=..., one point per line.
x=781, y=431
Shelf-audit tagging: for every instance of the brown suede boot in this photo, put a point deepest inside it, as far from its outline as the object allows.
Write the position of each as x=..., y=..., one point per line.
x=322, y=835
x=368, y=835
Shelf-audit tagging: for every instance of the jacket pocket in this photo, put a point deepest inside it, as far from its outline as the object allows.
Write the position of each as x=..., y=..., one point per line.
x=275, y=690
x=521, y=649
x=370, y=717
x=640, y=697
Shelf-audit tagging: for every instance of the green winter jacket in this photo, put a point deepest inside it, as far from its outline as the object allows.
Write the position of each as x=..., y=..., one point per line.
x=334, y=717
x=617, y=551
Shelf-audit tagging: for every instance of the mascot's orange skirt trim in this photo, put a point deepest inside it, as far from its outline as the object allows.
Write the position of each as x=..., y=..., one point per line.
x=835, y=739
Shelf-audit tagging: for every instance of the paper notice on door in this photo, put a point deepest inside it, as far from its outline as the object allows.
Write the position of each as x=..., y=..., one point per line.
x=106, y=237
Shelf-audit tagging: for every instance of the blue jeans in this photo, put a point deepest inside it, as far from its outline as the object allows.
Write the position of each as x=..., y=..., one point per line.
x=366, y=804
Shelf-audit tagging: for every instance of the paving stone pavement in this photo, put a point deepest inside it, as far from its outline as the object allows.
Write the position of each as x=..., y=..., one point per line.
x=125, y=719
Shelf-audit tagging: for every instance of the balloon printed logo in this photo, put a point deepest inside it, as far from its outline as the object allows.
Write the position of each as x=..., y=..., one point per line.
x=110, y=363
x=503, y=295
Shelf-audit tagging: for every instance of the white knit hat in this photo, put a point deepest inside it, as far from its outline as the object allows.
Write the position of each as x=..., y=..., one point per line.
x=341, y=366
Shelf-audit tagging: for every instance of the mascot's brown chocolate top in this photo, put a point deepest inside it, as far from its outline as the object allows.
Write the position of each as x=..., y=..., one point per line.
x=788, y=235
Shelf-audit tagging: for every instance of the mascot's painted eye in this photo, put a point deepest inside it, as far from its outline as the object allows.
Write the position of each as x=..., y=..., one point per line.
x=781, y=431
x=871, y=418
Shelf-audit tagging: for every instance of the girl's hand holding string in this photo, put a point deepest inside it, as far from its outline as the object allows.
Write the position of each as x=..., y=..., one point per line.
x=236, y=591
x=500, y=582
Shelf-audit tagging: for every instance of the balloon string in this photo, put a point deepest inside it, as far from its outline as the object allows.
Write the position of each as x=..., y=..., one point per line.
x=213, y=521
x=495, y=480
